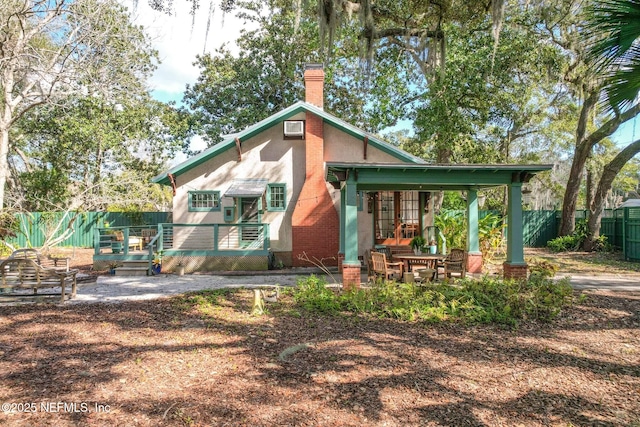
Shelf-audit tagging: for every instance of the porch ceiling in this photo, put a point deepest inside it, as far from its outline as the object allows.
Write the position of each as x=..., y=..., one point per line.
x=432, y=177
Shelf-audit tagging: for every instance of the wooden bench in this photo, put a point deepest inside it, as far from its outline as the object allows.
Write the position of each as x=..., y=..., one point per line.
x=22, y=273
x=42, y=260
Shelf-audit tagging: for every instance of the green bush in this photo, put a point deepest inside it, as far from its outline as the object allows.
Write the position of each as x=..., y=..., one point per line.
x=312, y=294
x=572, y=242
x=475, y=301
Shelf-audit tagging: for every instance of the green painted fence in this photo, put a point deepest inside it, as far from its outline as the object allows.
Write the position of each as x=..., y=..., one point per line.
x=539, y=227
x=621, y=226
x=631, y=233
x=35, y=226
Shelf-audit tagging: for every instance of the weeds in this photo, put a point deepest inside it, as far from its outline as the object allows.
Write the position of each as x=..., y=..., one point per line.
x=474, y=301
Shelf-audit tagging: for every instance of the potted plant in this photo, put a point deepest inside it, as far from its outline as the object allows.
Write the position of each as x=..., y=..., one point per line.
x=417, y=243
x=180, y=267
x=156, y=264
x=112, y=267
x=433, y=246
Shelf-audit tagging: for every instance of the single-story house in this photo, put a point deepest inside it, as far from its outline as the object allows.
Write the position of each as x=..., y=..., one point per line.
x=304, y=185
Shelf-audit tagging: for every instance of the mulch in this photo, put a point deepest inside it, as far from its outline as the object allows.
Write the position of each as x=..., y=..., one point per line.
x=172, y=362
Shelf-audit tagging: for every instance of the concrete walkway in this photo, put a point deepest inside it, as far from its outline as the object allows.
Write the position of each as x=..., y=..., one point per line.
x=124, y=288
x=118, y=289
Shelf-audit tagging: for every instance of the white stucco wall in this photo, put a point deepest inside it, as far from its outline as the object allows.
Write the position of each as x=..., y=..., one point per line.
x=269, y=156
x=266, y=156
x=342, y=147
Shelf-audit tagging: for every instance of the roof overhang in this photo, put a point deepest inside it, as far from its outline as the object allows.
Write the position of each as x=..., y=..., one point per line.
x=431, y=177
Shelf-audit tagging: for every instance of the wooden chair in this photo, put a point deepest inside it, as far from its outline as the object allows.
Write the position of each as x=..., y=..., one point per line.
x=384, y=250
x=383, y=268
x=371, y=276
x=455, y=263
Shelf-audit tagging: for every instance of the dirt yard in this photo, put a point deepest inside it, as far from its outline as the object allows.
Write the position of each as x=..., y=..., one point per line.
x=180, y=362
x=177, y=361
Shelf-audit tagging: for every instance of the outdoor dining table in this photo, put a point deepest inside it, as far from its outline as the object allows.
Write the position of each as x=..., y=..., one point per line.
x=428, y=260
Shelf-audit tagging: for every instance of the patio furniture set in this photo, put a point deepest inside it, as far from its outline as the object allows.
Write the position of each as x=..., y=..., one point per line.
x=410, y=267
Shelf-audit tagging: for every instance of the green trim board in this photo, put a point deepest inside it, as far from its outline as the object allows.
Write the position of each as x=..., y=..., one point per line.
x=277, y=193
x=430, y=177
x=275, y=119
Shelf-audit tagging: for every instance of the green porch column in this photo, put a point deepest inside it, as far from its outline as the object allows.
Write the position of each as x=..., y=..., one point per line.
x=515, y=267
x=343, y=212
x=351, y=222
x=473, y=242
x=351, y=264
x=474, y=256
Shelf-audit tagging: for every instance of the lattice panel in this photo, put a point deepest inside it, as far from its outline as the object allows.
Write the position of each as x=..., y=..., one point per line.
x=218, y=263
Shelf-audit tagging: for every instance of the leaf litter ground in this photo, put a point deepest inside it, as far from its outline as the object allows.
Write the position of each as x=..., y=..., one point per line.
x=180, y=361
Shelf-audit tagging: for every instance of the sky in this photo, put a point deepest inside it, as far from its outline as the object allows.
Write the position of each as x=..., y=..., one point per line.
x=179, y=37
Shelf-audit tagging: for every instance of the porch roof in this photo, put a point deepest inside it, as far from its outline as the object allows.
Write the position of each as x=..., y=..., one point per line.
x=434, y=177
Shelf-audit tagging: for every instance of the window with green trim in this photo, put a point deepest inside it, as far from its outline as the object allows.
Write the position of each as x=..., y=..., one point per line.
x=276, y=197
x=203, y=201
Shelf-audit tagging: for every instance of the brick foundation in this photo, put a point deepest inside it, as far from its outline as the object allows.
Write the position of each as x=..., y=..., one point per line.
x=351, y=276
x=474, y=262
x=517, y=272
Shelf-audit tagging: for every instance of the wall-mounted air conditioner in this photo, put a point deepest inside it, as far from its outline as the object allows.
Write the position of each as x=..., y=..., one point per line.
x=294, y=129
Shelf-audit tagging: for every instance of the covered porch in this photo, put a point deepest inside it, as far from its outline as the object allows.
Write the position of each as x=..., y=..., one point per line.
x=356, y=178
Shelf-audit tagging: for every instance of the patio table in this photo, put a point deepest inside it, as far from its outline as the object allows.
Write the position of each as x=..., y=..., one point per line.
x=427, y=260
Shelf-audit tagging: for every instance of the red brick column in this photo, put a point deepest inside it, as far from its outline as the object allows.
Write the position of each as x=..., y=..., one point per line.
x=474, y=262
x=513, y=271
x=350, y=276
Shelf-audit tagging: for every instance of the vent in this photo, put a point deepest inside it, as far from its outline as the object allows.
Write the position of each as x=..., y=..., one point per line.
x=294, y=129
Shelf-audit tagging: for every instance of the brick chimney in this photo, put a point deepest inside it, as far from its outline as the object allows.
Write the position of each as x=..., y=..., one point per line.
x=315, y=222
x=314, y=84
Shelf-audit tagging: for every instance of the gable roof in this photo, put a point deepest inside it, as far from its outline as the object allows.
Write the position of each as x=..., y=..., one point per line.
x=251, y=131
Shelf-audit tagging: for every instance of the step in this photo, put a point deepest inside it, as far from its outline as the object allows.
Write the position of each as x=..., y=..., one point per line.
x=143, y=263
x=131, y=271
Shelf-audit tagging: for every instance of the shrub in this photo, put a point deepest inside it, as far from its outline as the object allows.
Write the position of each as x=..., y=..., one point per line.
x=475, y=301
x=574, y=241
x=313, y=295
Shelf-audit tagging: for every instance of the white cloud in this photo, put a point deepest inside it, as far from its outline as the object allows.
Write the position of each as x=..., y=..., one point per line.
x=179, y=37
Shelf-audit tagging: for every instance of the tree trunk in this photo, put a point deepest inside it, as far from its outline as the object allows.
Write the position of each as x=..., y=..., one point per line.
x=443, y=156
x=591, y=187
x=4, y=162
x=609, y=173
x=583, y=148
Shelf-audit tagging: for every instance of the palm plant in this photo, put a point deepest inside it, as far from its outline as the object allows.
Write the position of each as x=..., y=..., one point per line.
x=614, y=27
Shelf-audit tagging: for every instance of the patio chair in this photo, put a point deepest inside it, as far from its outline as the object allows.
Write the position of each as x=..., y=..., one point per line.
x=455, y=263
x=383, y=268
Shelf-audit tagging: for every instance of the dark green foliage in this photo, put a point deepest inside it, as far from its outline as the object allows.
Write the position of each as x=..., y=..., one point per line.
x=313, y=295
x=474, y=301
x=574, y=241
